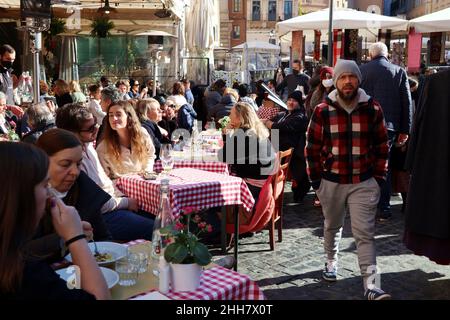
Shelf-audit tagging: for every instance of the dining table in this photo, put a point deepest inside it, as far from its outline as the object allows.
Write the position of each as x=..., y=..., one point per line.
x=196, y=189
x=216, y=283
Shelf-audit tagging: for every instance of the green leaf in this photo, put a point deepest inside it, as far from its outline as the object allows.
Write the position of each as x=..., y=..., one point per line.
x=201, y=254
x=175, y=253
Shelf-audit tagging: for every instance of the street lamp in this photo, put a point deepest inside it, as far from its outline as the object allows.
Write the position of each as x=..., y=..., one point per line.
x=330, y=36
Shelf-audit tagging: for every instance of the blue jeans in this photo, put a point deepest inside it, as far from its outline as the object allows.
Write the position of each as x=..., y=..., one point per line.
x=384, y=203
x=126, y=225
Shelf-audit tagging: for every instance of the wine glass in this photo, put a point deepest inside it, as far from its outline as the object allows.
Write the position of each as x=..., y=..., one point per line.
x=165, y=155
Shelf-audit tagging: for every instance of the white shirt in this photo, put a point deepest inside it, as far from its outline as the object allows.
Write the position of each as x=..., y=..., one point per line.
x=91, y=165
x=129, y=163
x=96, y=110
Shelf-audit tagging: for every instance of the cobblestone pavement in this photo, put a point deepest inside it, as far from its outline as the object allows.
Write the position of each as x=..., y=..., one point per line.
x=293, y=270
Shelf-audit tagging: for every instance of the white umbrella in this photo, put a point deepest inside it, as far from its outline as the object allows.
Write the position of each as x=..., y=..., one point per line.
x=68, y=67
x=199, y=25
x=200, y=38
x=343, y=18
x=434, y=22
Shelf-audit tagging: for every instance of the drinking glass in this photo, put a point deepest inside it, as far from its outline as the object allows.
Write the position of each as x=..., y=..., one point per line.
x=128, y=269
x=165, y=155
x=140, y=258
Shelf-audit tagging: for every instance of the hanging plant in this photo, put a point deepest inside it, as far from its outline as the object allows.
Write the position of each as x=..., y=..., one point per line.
x=57, y=26
x=101, y=27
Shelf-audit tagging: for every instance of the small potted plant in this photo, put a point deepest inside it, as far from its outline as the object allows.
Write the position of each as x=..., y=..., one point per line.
x=185, y=253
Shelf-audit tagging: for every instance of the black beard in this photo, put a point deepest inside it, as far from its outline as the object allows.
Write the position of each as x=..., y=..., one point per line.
x=347, y=98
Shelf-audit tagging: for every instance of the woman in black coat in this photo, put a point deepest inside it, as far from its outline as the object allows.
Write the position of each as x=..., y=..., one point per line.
x=248, y=134
x=74, y=187
x=427, y=217
x=150, y=114
x=291, y=127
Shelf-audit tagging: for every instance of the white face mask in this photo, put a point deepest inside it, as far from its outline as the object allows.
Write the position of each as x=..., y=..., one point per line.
x=327, y=83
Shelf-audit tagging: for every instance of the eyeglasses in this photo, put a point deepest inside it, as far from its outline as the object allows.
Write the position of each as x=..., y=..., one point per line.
x=91, y=129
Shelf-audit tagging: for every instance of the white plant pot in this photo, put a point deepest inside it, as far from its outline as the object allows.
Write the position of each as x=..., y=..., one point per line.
x=185, y=277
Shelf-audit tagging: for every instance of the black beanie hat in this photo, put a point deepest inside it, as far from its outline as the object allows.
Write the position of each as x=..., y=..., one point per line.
x=297, y=95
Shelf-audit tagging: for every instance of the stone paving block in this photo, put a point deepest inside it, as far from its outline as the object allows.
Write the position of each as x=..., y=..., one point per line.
x=293, y=270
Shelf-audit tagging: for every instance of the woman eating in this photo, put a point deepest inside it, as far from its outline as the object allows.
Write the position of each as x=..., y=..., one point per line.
x=24, y=191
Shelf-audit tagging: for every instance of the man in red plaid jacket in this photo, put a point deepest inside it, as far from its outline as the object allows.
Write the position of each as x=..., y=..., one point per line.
x=346, y=152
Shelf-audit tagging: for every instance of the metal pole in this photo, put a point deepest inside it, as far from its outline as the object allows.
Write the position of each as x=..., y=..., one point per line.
x=176, y=50
x=155, y=71
x=330, y=36
x=36, y=44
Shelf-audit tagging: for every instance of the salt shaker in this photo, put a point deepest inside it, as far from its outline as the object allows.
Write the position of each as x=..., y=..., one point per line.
x=164, y=275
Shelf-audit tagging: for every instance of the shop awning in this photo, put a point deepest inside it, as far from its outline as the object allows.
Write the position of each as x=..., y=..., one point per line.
x=343, y=18
x=434, y=22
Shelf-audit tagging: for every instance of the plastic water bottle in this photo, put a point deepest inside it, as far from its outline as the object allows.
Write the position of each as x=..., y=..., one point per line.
x=25, y=88
x=163, y=219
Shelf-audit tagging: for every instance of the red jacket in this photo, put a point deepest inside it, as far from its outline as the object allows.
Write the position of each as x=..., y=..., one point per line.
x=346, y=148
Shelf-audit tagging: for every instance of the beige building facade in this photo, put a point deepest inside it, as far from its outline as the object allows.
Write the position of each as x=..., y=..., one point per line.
x=423, y=7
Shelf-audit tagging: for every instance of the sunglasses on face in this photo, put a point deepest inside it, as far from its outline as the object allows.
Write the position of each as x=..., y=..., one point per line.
x=92, y=128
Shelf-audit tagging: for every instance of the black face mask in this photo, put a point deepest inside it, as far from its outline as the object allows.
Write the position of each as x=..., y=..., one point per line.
x=7, y=64
x=296, y=72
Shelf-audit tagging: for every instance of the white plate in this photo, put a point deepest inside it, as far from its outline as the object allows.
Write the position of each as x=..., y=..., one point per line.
x=117, y=251
x=111, y=277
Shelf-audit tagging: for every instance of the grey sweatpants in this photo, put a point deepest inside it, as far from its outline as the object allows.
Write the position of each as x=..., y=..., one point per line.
x=361, y=201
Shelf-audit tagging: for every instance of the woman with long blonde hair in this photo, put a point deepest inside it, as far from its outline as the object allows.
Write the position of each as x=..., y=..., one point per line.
x=247, y=148
x=75, y=92
x=126, y=147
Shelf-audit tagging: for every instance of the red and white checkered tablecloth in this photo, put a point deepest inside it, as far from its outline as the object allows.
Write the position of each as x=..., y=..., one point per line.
x=219, y=283
x=188, y=188
x=212, y=166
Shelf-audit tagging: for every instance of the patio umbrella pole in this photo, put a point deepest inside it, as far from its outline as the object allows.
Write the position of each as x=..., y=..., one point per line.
x=36, y=45
x=330, y=36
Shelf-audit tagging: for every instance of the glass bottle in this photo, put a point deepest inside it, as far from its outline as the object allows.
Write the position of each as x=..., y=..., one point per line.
x=163, y=219
x=195, y=135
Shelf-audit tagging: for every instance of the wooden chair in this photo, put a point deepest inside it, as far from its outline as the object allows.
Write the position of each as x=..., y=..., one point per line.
x=261, y=214
x=278, y=183
x=268, y=210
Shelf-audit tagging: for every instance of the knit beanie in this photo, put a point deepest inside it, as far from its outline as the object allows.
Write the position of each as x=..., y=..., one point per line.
x=346, y=66
x=297, y=95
